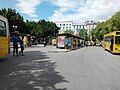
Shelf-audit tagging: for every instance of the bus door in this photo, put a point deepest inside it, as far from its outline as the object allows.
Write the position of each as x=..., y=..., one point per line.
x=112, y=42
x=117, y=44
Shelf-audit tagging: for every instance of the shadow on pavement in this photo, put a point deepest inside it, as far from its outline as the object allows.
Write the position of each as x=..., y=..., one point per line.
x=34, y=71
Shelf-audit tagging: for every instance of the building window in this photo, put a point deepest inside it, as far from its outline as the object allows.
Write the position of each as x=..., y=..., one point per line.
x=77, y=27
x=63, y=24
x=83, y=27
x=70, y=24
x=66, y=28
x=60, y=24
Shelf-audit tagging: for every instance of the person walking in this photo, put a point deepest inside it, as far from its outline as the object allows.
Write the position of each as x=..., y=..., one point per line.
x=15, y=41
x=21, y=46
x=25, y=41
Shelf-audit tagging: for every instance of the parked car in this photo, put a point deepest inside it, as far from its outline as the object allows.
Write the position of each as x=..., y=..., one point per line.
x=34, y=40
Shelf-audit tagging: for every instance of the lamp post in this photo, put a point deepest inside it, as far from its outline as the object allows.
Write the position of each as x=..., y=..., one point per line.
x=15, y=27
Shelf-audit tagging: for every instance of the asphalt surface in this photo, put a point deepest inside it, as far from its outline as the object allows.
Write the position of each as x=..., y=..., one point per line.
x=89, y=68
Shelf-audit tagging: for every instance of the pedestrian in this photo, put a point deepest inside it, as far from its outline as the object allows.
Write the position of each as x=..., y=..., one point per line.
x=21, y=46
x=25, y=41
x=15, y=41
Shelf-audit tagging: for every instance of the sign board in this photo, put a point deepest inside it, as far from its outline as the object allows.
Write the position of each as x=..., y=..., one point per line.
x=61, y=40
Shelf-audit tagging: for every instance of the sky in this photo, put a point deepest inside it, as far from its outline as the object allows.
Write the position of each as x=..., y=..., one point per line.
x=64, y=10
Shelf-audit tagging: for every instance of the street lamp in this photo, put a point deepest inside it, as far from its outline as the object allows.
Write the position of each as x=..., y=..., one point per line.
x=15, y=27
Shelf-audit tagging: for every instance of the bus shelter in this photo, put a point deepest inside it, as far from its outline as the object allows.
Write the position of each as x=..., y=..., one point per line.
x=68, y=41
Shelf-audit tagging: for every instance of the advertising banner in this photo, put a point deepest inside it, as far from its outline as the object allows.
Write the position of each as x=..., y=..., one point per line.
x=61, y=40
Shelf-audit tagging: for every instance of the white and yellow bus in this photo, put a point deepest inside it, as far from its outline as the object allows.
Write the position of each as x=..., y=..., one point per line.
x=4, y=37
x=112, y=42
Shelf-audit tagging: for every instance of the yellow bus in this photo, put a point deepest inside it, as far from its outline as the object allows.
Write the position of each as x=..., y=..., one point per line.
x=112, y=42
x=4, y=37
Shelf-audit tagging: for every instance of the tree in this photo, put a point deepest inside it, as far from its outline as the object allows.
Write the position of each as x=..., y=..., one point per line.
x=112, y=24
x=14, y=19
x=69, y=32
x=99, y=31
x=83, y=33
x=41, y=28
x=48, y=29
x=31, y=27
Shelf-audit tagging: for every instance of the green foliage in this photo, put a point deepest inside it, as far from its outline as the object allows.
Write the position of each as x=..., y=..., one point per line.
x=83, y=33
x=14, y=18
x=41, y=28
x=113, y=24
x=48, y=29
x=69, y=32
x=31, y=26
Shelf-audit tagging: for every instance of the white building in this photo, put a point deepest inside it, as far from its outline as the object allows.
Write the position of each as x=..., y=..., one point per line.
x=77, y=28
x=64, y=25
x=90, y=25
x=70, y=25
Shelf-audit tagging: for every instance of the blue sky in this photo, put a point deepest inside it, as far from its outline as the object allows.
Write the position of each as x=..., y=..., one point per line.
x=64, y=10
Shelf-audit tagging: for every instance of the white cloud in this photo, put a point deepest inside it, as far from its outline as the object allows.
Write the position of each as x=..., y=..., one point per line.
x=28, y=7
x=64, y=3
x=84, y=9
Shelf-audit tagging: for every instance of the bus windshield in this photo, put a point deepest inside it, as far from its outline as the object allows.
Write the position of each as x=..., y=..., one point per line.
x=117, y=40
x=2, y=28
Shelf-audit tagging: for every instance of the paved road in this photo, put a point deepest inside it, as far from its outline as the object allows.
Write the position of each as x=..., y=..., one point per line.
x=89, y=68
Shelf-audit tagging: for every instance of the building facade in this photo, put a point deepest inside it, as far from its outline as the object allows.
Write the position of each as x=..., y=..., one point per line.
x=77, y=28
x=70, y=25
x=64, y=25
x=90, y=25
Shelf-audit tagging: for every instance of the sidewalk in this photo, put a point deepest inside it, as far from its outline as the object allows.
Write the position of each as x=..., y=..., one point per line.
x=56, y=50
x=53, y=49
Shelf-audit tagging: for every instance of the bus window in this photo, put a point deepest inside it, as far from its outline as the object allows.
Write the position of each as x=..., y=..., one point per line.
x=2, y=29
x=117, y=40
